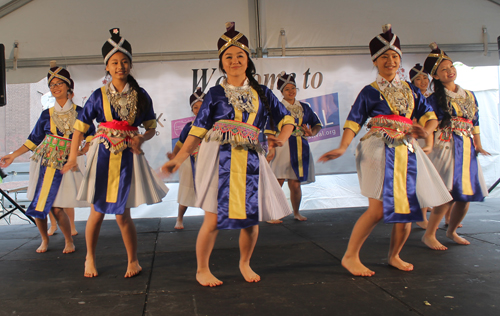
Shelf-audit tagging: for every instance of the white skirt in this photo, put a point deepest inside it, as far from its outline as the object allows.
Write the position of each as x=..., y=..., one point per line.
x=186, y=195
x=145, y=188
x=370, y=163
x=282, y=166
x=272, y=200
x=68, y=189
x=443, y=158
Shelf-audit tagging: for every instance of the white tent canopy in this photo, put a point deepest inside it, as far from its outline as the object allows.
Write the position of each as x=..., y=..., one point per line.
x=73, y=31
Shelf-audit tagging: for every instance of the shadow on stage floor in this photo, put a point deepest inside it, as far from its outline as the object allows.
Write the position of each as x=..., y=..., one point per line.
x=299, y=263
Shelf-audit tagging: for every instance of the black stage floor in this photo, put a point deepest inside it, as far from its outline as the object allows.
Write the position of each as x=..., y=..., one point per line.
x=299, y=263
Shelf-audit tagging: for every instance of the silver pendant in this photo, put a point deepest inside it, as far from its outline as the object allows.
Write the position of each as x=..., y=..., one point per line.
x=122, y=101
x=124, y=111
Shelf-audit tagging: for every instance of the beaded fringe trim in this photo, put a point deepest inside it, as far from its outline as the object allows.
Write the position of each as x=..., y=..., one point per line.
x=393, y=133
x=53, y=152
x=237, y=134
x=459, y=126
x=114, y=140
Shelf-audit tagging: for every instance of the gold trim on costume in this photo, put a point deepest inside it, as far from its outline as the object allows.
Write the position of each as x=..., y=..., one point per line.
x=115, y=163
x=287, y=120
x=44, y=191
x=233, y=42
x=427, y=117
x=81, y=126
x=466, y=182
x=440, y=57
x=355, y=127
x=401, y=203
x=475, y=131
x=150, y=124
x=106, y=105
x=30, y=145
x=198, y=131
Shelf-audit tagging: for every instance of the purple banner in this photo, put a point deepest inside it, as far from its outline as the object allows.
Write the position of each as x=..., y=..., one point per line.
x=327, y=110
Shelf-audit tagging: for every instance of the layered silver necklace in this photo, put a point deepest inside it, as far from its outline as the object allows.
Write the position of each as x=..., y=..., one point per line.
x=295, y=109
x=240, y=97
x=124, y=103
x=65, y=121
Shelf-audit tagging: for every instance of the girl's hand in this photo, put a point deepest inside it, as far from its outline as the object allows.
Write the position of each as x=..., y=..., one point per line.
x=170, y=167
x=307, y=130
x=6, y=160
x=271, y=154
x=480, y=150
x=70, y=165
x=332, y=154
x=427, y=149
x=274, y=141
x=136, y=143
x=417, y=131
x=170, y=156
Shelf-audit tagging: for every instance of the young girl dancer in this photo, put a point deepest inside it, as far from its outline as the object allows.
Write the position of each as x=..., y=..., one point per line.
x=187, y=195
x=294, y=162
x=118, y=176
x=457, y=143
x=394, y=173
x=50, y=141
x=234, y=183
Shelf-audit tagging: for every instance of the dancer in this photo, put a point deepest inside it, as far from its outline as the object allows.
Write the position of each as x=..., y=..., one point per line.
x=457, y=143
x=50, y=141
x=187, y=195
x=294, y=162
x=118, y=176
x=420, y=79
x=234, y=183
x=394, y=173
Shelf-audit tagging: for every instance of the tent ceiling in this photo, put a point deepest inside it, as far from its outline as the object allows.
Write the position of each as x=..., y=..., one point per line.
x=73, y=31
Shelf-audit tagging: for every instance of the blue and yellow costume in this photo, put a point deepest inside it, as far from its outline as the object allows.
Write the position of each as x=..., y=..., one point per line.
x=236, y=182
x=299, y=157
x=399, y=173
x=50, y=140
x=187, y=195
x=454, y=154
x=116, y=178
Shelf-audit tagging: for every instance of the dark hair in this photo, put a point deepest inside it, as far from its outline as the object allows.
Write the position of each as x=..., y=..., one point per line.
x=250, y=72
x=442, y=103
x=142, y=101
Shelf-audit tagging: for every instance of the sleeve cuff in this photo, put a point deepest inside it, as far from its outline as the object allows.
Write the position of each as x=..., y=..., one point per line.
x=287, y=120
x=475, y=130
x=198, y=131
x=88, y=139
x=179, y=144
x=269, y=132
x=149, y=124
x=355, y=127
x=427, y=117
x=30, y=145
x=81, y=127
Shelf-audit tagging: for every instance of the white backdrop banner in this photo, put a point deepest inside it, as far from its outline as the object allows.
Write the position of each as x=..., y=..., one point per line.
x=329, y=84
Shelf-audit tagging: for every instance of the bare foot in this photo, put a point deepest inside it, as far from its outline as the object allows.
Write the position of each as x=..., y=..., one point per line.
x=43, y=246
x=422, y=225
x=300, y=217
x=74, y=232
x=249, y=275
x=90, y=269
x=275, y=221
x=356, y=267
x=133, y=269
x=69, y=248
x=179, y=225
x=458, y=239
x=206, y=278
x=433, y=243
x=397, y=263
x=52, y=230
